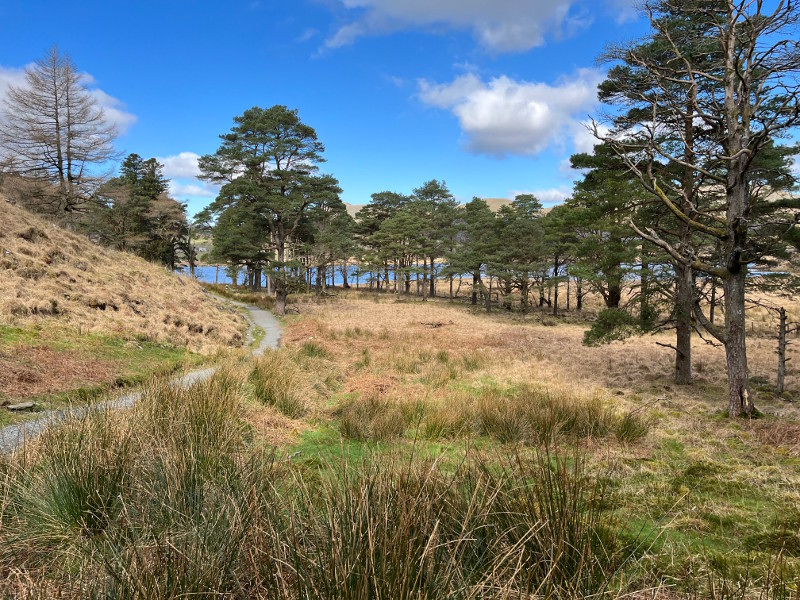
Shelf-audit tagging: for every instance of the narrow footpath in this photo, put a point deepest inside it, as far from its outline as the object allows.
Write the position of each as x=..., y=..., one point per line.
x=14, y=436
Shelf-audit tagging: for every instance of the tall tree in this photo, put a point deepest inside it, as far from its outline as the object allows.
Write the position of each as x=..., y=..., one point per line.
x=476, y=246
x=439, y=210
x=520, y=246
x=134, y=212
x=737, y=96
x=53, y=131
x=268, y=166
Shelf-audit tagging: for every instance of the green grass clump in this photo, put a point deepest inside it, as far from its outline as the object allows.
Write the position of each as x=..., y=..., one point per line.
x=313, y=350
x=372, y=419
x=631, y=428
x=539, y=415
x=276, y=382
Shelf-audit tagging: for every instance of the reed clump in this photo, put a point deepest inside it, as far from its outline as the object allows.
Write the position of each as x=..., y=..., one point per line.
x=169, y=500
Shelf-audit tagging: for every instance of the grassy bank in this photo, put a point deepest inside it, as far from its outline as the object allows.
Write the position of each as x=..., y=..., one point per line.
x=53, y=366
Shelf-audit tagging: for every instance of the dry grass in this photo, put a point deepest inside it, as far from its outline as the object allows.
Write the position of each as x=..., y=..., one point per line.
x=398, y=338
x=33, y=370
x=53, y=276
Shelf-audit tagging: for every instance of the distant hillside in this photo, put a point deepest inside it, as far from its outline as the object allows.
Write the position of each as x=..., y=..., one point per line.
x=49, y=274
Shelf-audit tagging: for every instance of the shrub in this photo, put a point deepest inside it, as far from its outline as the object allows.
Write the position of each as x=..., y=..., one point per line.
x=612, y=324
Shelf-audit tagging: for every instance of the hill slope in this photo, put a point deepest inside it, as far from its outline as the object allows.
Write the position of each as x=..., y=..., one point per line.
x=51, y=276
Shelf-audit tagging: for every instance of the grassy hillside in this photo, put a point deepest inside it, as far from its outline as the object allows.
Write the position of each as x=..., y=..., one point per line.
x=73, y=314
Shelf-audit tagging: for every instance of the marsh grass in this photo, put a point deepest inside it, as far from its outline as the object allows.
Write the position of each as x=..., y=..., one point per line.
x=372, y=418
x=537, y=414
x=278, y=382
x=632, y=427
x=170, y=500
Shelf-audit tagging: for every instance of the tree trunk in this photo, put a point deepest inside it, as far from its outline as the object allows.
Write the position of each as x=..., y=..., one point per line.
x=568, y=278
x=555, y=286
x=684, y=301
x=614, y=295
x=644, y=291
x=432, y=291
x=578, y=294
x=475, y=279
x=713, y=300
x=781, y=352
x=345, y=282
x=524, y=287
x=424, y=278
x=281, y=290
x=740, y=401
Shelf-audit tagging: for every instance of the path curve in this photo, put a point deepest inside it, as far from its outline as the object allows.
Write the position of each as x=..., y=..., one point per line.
x=14, y=436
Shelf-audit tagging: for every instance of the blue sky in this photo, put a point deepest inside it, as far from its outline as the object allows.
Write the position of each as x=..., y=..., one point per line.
x=487, y=95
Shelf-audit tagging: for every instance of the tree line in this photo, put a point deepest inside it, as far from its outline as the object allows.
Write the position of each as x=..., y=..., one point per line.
x=680, y=214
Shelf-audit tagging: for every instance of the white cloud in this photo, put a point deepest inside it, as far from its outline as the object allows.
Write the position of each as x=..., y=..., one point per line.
x=307, y=34
x=201, y=190
x=548, y=197
x=505, y=116
x=113, y=108
x=9, y=77
x=507, y=26
x=183, y=164
x=624, y=11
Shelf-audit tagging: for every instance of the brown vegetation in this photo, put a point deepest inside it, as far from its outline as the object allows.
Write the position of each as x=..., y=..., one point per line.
x=54, y=277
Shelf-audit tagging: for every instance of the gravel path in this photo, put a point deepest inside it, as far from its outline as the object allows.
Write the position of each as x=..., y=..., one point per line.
x=14, y=436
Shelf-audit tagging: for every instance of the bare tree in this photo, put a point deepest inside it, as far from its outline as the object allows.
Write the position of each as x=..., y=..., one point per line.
x=53, y=132
x=740, y=97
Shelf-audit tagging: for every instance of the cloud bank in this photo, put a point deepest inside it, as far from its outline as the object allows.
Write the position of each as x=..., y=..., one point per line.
x=507, y=26
x=504, y=116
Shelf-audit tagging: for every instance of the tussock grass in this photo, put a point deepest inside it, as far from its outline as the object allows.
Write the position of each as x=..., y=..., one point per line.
x=632, y=427
x=313, y=350
x=531, y=415
x=278, y=382
x=372, y=419
x=169, y=500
